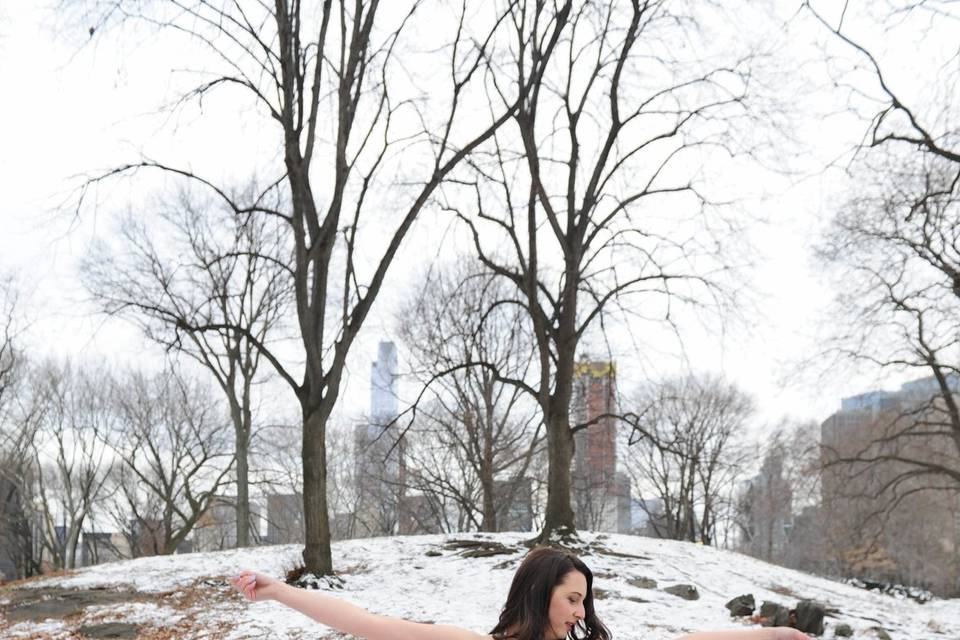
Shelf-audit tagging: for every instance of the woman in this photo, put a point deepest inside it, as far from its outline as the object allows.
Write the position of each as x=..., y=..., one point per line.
x=550, y=598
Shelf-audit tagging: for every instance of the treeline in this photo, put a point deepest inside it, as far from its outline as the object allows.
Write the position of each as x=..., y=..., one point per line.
x=87, y=449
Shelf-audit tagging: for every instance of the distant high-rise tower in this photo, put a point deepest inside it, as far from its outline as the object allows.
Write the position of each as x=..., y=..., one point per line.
x=917, y=539
x=378, y=454
x=601, y=495
x=383, y=394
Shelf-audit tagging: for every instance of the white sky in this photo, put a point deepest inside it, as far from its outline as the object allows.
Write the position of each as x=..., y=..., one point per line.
x=71, y=109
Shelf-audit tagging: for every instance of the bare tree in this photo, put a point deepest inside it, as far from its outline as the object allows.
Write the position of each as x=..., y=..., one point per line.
x=9, y=354
x=567, y=207
x=910, y=118
x=176, y=459
x=331, y=77
x=18, y=484
x=74, y=415
x=18, y=430
x=452, y=322
x=685, y=453
x=203, y=281
x=898, y=259
x=771, y=503
x=893, y=247
x=276, y=453
x=444, y=495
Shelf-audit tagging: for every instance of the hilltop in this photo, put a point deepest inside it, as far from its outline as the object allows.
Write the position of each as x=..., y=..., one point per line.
x=437, y=579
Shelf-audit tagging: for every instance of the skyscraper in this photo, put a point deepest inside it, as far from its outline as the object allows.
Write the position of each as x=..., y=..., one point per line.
x=887, y=437
x=378, y=453
x=601, y=495
x=383, y=374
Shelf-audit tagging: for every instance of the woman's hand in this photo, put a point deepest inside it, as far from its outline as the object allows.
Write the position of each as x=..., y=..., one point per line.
x=255, y=586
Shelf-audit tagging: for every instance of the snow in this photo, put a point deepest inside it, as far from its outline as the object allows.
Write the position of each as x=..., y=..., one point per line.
x=45, y=629
x=134, y=613
x=394, y=576
x=157, y=574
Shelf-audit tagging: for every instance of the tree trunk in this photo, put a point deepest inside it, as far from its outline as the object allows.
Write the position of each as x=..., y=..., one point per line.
x=241, y=421
x=243, y=492
x=71, y=541
x=489, y=522
x=559, y=514
x=316, y=553
x=485, y=429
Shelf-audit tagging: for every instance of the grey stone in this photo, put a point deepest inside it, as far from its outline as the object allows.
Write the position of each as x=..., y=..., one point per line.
x=603, y=594
x=742, y=605
x=810, y=617
x=843, y=630
x=774, y=615
x=43, y=603
x=110, y=630
x=881, y=633
x=685, y=591
x=37, y=611
x=642, y=583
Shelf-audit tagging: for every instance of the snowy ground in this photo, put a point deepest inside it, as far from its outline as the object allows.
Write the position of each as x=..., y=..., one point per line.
x=186, y=596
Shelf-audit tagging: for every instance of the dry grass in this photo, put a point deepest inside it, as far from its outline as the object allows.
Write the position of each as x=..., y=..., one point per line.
x=784, y=591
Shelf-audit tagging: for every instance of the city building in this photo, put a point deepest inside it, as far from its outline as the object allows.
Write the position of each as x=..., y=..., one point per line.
x=379, y=472
x=146, y=537
x=285, y=518
x=766, y=505
x=216, y=528
x=103, y=546
x=418, y=515
x=513, y=500
x=879, y=523
x=647, y=517
x=601, y=493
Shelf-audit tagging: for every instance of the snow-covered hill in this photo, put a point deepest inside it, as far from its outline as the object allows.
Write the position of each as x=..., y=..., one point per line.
x=426, y=578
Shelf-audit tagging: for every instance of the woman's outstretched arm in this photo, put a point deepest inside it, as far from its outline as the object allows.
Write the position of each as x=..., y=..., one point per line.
x=766, y=633
x=343, y=616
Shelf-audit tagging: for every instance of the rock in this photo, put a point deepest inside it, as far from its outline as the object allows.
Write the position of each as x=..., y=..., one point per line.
x=881, y=633
x=810, y=617
x=685, y=591
x=642, y=583
x=843, y=630
x=742, y=605
x=432, y=553
x=478, y=548
x=37, y=611
x=110, y=630
x=774, y=615
x=43, y=603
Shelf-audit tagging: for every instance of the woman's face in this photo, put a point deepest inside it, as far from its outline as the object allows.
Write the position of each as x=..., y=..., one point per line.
x=566, y=605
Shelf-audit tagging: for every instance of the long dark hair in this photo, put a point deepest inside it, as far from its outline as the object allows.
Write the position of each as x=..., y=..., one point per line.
x=525, y=615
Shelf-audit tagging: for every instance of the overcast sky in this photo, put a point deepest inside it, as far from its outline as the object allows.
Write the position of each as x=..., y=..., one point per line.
x=71, y=107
